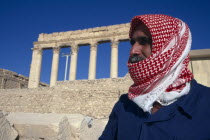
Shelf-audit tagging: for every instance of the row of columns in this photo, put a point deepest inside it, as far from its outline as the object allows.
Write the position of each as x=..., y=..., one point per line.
x=35, y=68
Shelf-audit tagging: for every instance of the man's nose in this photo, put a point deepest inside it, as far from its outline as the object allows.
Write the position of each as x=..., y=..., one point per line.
x=136, y=49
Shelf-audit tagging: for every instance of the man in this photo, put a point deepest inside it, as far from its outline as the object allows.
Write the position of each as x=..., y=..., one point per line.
x=165, y=102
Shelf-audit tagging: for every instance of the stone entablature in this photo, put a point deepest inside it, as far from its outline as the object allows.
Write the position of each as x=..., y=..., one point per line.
x=10, y=79
x=85, y=36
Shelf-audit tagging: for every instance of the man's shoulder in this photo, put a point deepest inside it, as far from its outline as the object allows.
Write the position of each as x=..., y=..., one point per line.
x=123, y=97
x=199, y=100
x=200, y=94
x=125, y=101
x=202, y=89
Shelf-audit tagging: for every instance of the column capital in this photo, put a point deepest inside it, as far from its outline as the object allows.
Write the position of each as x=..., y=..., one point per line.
x=114, y=43
x=37, y=50
x=93, y=46
x=56, y=50
x=74, y=49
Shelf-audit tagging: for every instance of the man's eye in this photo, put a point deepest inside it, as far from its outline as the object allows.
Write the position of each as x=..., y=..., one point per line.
x=143, y=41
x=132, y=42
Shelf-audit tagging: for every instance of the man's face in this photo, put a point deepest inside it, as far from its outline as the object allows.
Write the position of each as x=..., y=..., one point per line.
x=141, y=43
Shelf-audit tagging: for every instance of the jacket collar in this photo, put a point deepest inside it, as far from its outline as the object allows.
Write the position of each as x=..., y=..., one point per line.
x=187, y=102
x=184, y=105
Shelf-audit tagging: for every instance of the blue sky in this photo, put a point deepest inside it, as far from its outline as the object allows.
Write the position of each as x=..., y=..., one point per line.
x=21, y=22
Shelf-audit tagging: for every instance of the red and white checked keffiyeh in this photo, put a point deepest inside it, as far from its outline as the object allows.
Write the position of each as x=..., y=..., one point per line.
x=164, y=75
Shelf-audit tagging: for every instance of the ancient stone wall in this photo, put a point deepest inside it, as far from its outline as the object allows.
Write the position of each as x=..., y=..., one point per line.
x=200, y=65
x=10, y=80
x=88, y=97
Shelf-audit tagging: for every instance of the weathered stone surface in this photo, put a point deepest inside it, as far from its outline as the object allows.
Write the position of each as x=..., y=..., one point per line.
x=88, y=97
x=201, y=70
x=45, y=126
x=13, y=80
x=91, y=129
x=75, y=121
x=35, y=126
x=120, y=28
x=7, y=132
x=64, y=130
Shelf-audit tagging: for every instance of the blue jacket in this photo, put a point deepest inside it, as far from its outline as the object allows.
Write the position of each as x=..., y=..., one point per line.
x=188, y=118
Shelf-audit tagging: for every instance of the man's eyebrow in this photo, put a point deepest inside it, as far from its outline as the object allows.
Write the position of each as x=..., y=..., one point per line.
x=140, y=36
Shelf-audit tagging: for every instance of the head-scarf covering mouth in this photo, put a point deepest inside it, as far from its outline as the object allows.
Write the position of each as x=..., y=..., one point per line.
x=163, y=76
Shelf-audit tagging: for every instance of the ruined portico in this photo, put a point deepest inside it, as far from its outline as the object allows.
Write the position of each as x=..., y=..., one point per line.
x=74, y=39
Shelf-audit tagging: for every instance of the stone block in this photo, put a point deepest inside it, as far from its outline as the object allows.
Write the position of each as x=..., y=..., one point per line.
x=113, y=27
x=7, y=132
x=96, y=29
x=90, y=29
x=91, y=129
x=103, y=28
x=60, y=33
x=55, y=33
x=75, y=121
x=41, y=126
x=41, y=37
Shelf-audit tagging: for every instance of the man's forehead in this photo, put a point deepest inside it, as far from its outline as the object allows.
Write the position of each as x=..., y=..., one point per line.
x=139, y=33
x=142, y=28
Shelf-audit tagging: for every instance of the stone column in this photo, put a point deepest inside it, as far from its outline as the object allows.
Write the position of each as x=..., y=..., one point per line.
x=54, y=69
x=93, y=59
x=114, y=59
x=73, y=63
x=35, y=68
